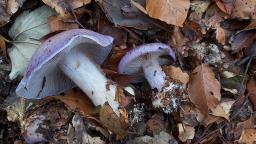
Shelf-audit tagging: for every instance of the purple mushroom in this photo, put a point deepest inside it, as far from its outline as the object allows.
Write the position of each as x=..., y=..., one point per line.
x=66, y=59
x=147, y=57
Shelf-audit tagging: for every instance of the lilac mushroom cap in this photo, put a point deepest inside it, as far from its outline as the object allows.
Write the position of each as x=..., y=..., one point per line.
x=47, y=73
x=148, y=59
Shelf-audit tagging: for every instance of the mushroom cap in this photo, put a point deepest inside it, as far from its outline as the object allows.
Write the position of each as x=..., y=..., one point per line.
x=132, y=62
x=43, y=77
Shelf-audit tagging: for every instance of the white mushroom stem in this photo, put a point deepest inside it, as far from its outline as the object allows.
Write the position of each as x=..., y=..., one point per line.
x=154, y=73
x=88, y=77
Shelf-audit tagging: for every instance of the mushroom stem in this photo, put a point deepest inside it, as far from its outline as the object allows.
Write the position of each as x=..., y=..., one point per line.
x=154, y=73
x=88, y=76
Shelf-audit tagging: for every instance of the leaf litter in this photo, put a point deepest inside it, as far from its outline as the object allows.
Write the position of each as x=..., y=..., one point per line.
x=212, y=79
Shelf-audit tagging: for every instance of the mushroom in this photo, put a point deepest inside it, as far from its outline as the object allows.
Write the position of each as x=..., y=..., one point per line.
x=66, y=59
x=149, y=58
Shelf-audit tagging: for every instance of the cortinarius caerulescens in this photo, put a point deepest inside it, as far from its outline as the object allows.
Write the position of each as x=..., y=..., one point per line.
x=67, y=58
x=148, y=58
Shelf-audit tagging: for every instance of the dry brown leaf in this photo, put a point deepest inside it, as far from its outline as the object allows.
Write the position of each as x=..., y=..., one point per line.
x=223, y=109
x=241, y=9
x=3, y=46
x=186, y=132
x=170, y=11
x=57, y=24
x=64, y=7
x=76, y=100
x=204, y=89
x=176, y=73
x=248, y=137
x=112, y=121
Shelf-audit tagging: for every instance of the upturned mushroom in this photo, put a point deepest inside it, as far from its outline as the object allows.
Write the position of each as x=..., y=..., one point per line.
x=148, y=59
x=70, y=58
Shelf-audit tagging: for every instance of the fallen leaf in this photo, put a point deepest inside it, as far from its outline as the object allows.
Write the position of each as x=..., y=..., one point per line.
x=122, y=13
x=223, y=109
x=112, y=121
x=251, y=90
x=176, y=73
x=65, y=7
x=204, y=89
x=3, y=45
x=242, y=40
x=241, y=9
x=56, y=24
x=76, y=100
x=248, y=137
x=28, y=28
x=7, y=8
x=170, y=11
x=186, y=132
